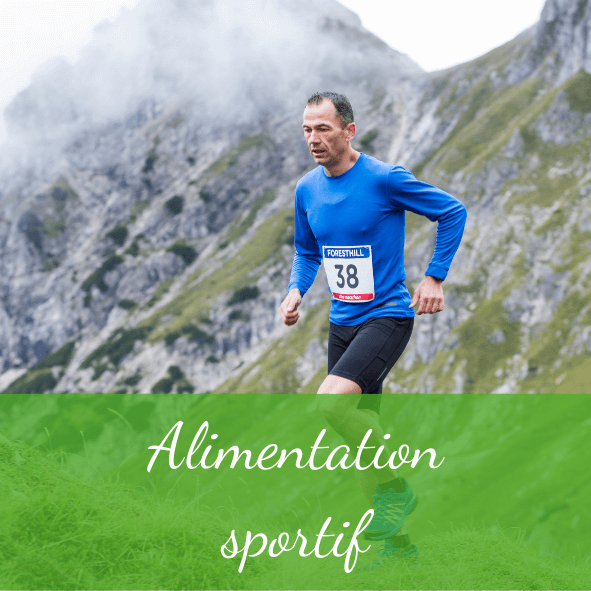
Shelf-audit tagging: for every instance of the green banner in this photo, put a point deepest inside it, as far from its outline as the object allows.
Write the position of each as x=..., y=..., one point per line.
x=274, y=491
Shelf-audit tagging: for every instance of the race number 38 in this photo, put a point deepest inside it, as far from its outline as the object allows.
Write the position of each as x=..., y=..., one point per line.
x=349, y=270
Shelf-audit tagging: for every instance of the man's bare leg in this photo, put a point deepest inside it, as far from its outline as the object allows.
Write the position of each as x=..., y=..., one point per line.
x=352, y=424
x=337, y=401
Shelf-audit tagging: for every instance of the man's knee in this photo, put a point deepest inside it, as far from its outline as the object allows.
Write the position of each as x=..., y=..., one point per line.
x=338, y=385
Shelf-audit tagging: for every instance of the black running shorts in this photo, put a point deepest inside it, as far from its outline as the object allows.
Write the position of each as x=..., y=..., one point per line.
x=365, y=353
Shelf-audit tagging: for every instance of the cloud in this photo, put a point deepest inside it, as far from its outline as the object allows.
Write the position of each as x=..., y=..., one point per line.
x=230, y=58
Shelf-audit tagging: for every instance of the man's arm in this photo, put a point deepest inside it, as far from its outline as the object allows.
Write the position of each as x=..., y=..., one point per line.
x=305, y=266
x=413, y=195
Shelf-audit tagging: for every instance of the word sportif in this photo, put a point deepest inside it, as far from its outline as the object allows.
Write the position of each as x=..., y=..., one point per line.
x=281, y=544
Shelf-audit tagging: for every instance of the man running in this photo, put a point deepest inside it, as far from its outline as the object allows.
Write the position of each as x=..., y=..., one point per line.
x=349, y=214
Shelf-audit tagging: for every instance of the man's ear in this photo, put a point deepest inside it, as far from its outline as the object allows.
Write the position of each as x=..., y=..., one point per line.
x=350, y=131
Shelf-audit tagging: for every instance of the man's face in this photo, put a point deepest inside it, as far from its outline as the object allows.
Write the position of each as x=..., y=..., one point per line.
x=323, y=129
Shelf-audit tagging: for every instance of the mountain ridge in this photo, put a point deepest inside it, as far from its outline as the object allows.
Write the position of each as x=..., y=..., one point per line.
x=137, y=289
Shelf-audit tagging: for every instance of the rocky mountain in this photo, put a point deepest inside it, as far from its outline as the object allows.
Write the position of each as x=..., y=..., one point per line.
x=147, y=203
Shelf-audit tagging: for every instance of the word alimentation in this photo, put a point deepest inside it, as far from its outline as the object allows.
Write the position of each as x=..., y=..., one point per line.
x=267, y=458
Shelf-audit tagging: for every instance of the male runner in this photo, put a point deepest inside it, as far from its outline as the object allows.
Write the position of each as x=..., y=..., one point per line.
x=349, y=213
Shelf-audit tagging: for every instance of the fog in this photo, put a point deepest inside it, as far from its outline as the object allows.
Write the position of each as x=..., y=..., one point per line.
x=235, y=60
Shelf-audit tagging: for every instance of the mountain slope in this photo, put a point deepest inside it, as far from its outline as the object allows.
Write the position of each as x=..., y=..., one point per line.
x=155, y=253
x=103, y=237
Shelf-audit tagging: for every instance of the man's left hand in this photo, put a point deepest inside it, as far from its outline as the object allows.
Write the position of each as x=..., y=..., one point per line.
x=430, y=294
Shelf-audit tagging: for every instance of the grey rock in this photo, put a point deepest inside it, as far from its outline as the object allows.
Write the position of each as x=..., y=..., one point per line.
x=124, y=161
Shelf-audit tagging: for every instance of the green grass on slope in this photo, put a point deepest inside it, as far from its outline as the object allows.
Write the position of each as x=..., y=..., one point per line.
x=109, y=427
x=58, y=532
x=229, y=158
x=36, y=380
x=490, y=112
x=511, y=461
x=489, y=118
x=545, y=349
x=241, y=225
x=276, y=368
x=491, y=107
x=459, y=559
x=484, y=343
x=549, y=369
x=525, y=473
x=547, y=188
x=477, y=346
x=571, y=375
x=200, y=293
x=548, y=175
x=578, y=91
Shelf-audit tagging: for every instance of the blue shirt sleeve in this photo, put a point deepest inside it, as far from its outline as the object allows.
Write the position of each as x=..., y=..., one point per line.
x=308, y=255
x=408, y=193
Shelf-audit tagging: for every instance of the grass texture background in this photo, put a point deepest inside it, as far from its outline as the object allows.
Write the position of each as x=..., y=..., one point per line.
x=508, y=509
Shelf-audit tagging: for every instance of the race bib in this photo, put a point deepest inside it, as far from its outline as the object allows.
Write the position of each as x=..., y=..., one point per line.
x=349, y=270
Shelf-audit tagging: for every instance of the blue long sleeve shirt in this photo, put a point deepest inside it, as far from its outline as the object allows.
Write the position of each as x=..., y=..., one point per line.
x=355, y=222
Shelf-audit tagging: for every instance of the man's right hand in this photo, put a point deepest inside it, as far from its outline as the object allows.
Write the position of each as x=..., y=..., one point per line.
x=289, y=307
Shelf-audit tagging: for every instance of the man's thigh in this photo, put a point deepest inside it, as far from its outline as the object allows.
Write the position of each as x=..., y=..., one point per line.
x=339, y=339
x=373, y=351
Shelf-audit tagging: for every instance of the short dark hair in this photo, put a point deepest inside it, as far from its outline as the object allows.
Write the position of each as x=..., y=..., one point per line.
x=340, y=102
